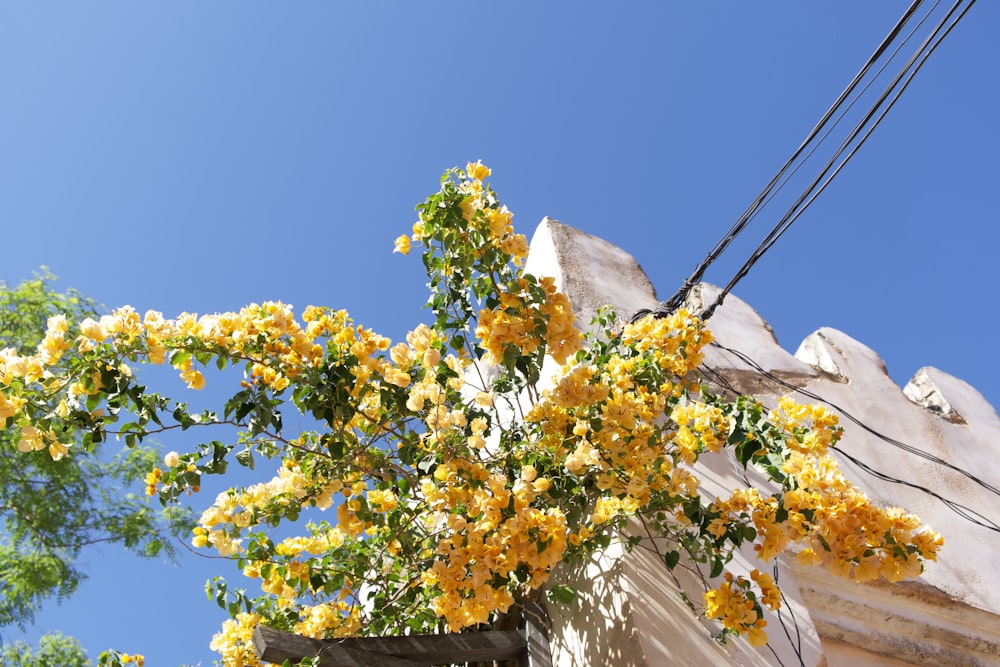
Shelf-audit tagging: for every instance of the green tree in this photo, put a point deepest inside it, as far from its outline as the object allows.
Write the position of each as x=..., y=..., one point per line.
x=53, y=649
x=51, y=510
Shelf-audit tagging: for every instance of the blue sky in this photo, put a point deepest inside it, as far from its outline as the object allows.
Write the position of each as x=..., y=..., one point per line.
x=200, y=156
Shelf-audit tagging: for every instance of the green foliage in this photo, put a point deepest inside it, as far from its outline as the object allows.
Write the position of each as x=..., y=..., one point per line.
x=50, y=510
x=53, y=650
x=459, y=485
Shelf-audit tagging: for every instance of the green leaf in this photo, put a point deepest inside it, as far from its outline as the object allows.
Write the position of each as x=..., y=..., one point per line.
x=178, y=358
x=335, y=447
x=562, y=594
x=245, y=458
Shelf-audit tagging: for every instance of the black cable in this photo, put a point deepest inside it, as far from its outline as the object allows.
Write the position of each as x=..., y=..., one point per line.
x=965, y=512
x=807, y=197
x=910, y=449
x=797, y=642
x=843, y=113
x=741, y=222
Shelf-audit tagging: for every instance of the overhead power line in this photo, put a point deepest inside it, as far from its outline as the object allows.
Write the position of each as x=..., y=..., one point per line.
x=965, y=512
x=858, y=136
x=850, y=96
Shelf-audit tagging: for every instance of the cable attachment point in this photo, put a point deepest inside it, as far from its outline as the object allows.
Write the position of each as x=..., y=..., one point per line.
x=665, y=309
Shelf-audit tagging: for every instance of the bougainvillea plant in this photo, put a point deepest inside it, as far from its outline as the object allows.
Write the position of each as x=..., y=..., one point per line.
x=445, y=478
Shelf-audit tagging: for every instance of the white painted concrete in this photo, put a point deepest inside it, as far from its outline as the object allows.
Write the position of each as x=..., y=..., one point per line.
x=632, y=613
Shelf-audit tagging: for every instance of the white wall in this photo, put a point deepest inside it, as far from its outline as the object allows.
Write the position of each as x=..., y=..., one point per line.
x=631, y=612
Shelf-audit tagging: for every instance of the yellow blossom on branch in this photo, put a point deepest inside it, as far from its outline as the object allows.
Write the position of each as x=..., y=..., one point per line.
x=477, y=170
x=442, y=479
x=403, y=244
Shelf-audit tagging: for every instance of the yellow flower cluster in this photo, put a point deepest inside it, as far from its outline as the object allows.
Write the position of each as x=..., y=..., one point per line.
x=10, y=406
x=33, y=439
x=739, y=612
x=676, y=340
x=812, y=428
x=483, y=547
x=16, y=369
x=336, y=619
x=520, y=321
x=600, y=422
x=448, y=502
x=234, y=641
x=482, y=214
x=480, y=210
x=382, y=500
x=477, y=170
x=266, y=335
x=849, y=535
x=15, y=366
x=699, y=427
x=840, y=528
x=152, y=479
x=235, y=510
x=52, y=347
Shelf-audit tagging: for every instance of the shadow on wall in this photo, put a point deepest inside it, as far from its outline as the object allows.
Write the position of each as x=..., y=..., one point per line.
x=596, y=628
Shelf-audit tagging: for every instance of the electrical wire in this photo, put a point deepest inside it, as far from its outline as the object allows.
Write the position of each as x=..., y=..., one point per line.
x=843, y=113
x=963, y=511
x=741, y=222
x=864, y=129
x=837, y=111
x=910, y=449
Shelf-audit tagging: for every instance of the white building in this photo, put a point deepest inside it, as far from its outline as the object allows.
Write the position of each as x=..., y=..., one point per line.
x=629, y=610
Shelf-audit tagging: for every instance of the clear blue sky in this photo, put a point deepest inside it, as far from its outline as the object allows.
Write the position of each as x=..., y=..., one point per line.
x=203, y=155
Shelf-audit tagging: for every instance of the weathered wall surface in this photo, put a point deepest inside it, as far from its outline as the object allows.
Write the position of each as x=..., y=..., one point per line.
x=631, y=611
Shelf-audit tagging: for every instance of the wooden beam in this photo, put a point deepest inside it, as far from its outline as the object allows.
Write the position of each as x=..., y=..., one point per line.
x=537, y=653
x=276, y=647
x=446, y=648
x=406, y=651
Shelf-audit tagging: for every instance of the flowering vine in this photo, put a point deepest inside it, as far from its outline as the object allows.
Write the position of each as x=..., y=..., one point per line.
x=447, y=477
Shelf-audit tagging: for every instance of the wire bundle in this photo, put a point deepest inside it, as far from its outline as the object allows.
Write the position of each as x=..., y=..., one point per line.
x=888, y=53
x=963, y=511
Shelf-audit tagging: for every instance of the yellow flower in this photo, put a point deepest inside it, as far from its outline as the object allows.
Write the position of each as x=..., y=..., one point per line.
x=193, y=378
x=432, y=357
x=402, y=244
x=31, y=439
x=58, y=450
x=542, y=484
x=771, y=595
x=477, y=170
x=200, y=538
x=382, y=501
x=93, y=330
x=756, y=636
x=10, y=406
x=397, y=377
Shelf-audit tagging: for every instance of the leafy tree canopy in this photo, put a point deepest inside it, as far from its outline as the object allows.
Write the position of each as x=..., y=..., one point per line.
x=51, y=507
x=53, y=649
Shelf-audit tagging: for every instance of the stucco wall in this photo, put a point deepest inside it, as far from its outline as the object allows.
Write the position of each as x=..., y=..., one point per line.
x=631, y=612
